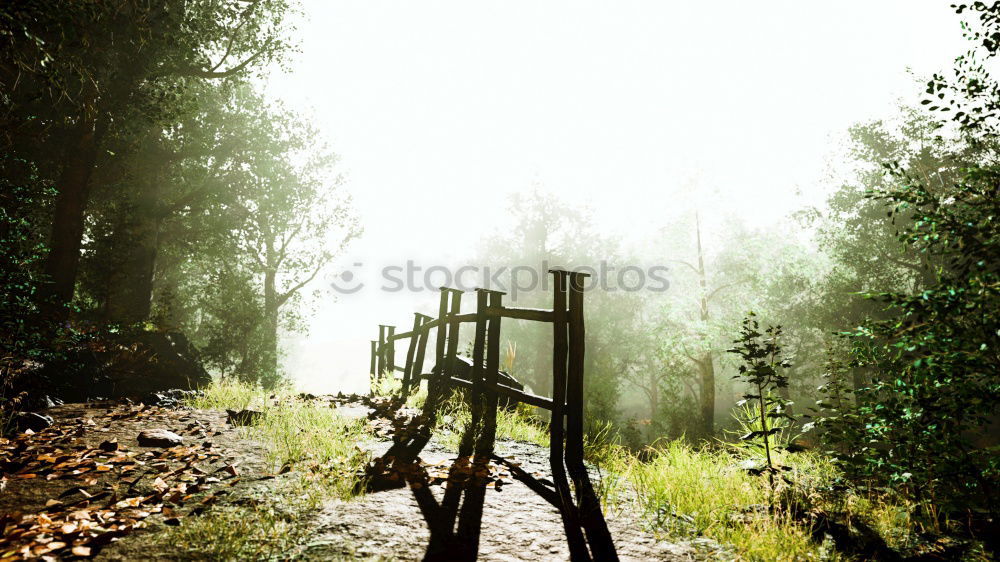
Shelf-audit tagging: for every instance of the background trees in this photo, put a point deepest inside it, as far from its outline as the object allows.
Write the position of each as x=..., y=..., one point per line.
x=149, y=182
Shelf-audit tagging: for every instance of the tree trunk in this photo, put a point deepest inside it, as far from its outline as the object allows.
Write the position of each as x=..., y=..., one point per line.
x=63, y=261
x=706, y=365
x=706, y=368
x=654, y=398
x=271, y=306
x=130, y=295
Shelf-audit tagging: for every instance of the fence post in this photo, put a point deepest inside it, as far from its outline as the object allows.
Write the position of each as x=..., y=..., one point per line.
x=602, y=546
x=374, y=364
x=410, y=350
x=453, y=328
x=567, y=509
x=434, y=383
x=390, y=352
x=381, y=352
x=476, y=376
x=418, y=364
x=484, y=447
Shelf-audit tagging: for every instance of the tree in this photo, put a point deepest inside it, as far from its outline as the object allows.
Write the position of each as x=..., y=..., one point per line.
x=294, y=223
x=935, y=383
x=548, y=233
x=79, y=75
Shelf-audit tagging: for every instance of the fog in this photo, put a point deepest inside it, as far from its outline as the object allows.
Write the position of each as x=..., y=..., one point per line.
x=643, y=111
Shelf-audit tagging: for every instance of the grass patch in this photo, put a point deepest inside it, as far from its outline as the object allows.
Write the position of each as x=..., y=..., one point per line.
x=312, y=439
x=683, y=491
x=518, y=424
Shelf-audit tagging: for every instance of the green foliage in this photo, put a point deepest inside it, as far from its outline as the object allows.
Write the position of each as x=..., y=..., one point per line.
x=934, y=387
x=749, y=422
x=21, y=333
x=314, y=441
x=683, y=491
x=763, y=369
x=518, y=423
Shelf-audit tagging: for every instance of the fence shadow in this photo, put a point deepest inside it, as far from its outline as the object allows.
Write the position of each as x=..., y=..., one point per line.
x=455, y=523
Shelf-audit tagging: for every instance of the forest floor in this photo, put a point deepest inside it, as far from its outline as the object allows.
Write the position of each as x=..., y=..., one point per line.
x=85, y=488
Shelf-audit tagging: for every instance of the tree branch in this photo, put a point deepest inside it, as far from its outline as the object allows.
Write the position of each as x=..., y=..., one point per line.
x=283, y=298
x=214, y=73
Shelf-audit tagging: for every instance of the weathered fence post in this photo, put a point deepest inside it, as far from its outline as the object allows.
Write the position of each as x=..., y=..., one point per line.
x=374, y=364
x=567, y=509
x=434, y=384
x=381, y=352
x=390, y=352
x=453, y=328
x=410, y=351
x=602, y=546
x=484, y=446
x=476, y=376
x=418, y=363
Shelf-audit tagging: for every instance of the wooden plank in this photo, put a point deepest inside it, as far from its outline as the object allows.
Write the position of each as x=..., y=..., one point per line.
x=403, y=335
x=567, y=508
x=374, y=365
x=510, y=392
x=433, y=390
x=599, y=538
x=463, y=318
x=381, y=352
x=418, y=361
x=535, y=314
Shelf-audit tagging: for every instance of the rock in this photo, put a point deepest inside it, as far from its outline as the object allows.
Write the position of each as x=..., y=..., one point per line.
x=161, y=362
x=463, y=370
x=244, y=417
x=33, y=421
x=159, y=438
x=169, y=398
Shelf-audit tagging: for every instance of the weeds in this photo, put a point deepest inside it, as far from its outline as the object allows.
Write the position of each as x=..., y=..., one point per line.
x=312, y=440
x=518, y=423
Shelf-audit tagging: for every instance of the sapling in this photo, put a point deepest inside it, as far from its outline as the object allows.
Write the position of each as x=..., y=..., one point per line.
x=764, y=370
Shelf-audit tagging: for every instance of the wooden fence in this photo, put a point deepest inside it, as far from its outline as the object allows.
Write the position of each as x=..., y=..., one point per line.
x=583, y=520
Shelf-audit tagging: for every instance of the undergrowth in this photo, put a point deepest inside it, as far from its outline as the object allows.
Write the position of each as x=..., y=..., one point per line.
x=683, y=491
x=311, y=440
x=517, y=423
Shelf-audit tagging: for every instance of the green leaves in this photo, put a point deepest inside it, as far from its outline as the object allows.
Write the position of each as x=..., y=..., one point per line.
x=934, y=384
x=764, y=370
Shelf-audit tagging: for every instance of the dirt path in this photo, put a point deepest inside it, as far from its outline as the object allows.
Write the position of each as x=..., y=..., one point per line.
x=517, y=524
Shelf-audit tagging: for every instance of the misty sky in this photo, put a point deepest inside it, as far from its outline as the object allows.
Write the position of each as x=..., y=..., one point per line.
x=643, y=110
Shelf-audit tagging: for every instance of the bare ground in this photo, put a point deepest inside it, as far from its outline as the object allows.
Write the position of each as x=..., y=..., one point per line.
x=517, y=524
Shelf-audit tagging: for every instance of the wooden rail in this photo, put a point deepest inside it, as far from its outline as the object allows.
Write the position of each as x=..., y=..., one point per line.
x=583, y=520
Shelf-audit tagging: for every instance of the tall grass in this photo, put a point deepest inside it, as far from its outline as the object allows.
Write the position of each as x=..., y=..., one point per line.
x=519, y=424
x=295, y=431
x=684, y=491
x=313, y=440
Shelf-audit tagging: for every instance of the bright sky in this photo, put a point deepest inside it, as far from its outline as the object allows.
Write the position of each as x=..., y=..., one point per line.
x=442, y=108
